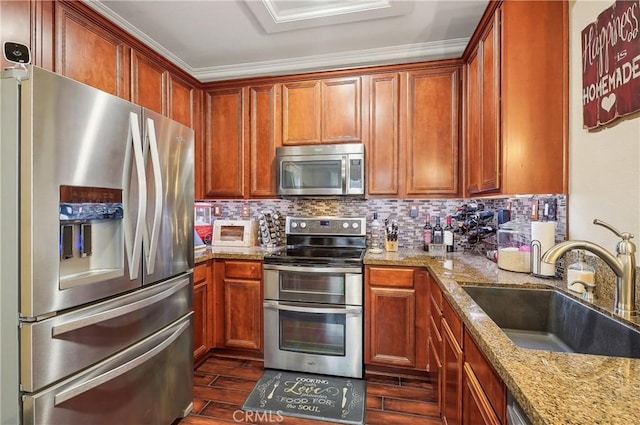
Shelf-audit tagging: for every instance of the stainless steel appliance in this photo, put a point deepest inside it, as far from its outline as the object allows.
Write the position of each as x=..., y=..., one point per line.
x=96, y=258
x=313, y=297
x=321, y=170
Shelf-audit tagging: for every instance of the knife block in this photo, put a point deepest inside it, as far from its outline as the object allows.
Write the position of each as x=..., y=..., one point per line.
x=390, y=246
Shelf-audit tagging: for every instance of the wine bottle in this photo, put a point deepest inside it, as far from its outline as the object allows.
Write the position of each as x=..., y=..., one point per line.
x=427, y=233
x=438, y=237
x=448, y=235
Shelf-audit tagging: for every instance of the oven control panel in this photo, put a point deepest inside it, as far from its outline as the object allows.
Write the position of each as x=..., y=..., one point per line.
x=343, y=226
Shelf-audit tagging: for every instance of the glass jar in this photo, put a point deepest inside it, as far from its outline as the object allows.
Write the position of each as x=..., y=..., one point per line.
x=514, y=249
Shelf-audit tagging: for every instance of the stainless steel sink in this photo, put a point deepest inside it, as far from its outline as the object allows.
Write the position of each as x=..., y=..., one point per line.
x=547, y=319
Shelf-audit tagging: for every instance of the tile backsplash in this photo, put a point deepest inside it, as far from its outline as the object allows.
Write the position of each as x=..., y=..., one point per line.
x=410, y=228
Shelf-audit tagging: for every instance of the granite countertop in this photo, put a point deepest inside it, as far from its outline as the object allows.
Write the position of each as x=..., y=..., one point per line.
x=238, y=253
x=551, y=387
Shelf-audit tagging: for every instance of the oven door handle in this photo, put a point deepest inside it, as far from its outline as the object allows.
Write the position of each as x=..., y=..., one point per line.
x=347, y=309
x=278, y=267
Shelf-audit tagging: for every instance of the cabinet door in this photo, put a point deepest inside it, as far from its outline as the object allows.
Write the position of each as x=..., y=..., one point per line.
x=476, y=407
x=264, y=138
x=182, y=101
x=148, y=83
x=451, y=377
x=490, y=106
x=224, y=145
x=90, y=54
x=473, y=150
x=432, y=132
x=200, y=311
x=200, y=294
x=301, y=113
x=341, y=117
x=391, y=317
x=383, y=148
x=243, y=313
x=534, y=96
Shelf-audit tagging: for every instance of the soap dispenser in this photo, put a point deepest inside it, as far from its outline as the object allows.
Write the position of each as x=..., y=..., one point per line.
x=579, y=274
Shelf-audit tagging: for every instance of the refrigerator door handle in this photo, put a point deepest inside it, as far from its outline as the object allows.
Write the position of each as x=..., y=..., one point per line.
x=114, y=373
x=133, y=243
x=73, y=325
x=151, y=242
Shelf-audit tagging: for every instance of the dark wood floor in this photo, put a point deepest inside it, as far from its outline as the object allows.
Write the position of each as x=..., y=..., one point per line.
x=222, y=384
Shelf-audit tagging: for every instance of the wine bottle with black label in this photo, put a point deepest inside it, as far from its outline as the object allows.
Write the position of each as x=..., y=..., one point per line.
x=438, y=237
x=427, y=233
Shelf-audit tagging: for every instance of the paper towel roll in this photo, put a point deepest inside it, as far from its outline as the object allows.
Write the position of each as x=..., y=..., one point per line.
x=545, y=233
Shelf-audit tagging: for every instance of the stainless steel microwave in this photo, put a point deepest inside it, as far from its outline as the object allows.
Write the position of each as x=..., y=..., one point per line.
x=320, y=170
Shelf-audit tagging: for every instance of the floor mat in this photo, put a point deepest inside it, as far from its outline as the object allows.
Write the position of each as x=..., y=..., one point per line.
x=328, y=398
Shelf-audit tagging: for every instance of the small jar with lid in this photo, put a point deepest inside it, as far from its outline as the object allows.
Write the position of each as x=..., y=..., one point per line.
x=514, y=249
x=578, y=273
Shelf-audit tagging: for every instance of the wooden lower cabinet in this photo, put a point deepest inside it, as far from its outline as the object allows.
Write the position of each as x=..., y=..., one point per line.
x=470, y=392
x=201, y=292
x=452, y=362
x=477, y=409
x=238, y=305
x=435, y=337
x=396, y=319
x=482, y=388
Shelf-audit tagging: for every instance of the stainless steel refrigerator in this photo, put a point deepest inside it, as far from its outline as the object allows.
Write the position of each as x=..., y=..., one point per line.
x=96, y=256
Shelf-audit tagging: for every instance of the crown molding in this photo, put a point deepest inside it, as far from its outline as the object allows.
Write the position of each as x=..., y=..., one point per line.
x=417, y=52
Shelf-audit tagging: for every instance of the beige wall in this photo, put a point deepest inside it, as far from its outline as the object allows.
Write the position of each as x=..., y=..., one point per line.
x=604, y=166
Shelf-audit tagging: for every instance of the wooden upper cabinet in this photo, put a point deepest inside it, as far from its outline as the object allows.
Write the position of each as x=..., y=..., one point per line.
x=321, y=111
x=148, y=83
x=301, y=109
x=517, y=100
x=383, y=146
x=224, y=143
x=182, y=101
x=88, y=53
x=432, y=132
x=535, y=96
x=341, y=105
x=264, y=137
x=483, y=109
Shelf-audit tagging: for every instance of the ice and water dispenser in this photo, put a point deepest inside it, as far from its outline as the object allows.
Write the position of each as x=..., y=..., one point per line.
x=91, y=235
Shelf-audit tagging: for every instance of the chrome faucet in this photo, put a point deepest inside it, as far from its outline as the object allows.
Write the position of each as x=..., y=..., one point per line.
x=623, y=265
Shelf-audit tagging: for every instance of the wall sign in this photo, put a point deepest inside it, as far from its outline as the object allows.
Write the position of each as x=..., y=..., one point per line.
x=611, y=64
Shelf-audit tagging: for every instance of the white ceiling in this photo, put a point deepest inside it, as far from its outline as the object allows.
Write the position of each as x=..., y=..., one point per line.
x=226, y=39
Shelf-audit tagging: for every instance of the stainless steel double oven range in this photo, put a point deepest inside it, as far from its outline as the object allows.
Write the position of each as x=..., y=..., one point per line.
x=313, y=297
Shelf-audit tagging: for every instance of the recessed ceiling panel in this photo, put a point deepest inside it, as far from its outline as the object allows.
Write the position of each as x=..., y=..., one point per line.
x=286, y=15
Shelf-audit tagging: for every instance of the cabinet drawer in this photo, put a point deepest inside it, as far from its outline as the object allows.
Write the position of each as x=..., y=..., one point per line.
x=488, y=379
x=454, y=322
x=435, y=331
x=436, y=295
x=243, y=269
x=200, y=272
x=395, y=277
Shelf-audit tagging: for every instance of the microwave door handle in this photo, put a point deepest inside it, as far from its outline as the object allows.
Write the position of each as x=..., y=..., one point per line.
x=345, y=161
x=151, y=241
x=133, y=243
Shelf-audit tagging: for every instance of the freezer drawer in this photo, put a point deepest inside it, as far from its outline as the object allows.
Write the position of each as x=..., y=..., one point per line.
x=61, y=346
x=149, y=383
